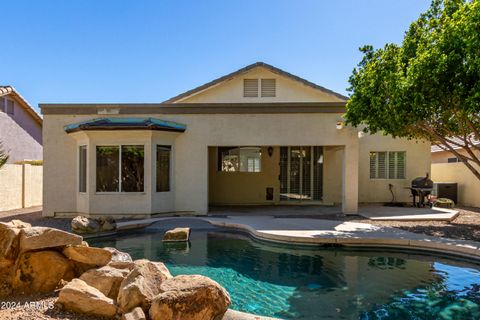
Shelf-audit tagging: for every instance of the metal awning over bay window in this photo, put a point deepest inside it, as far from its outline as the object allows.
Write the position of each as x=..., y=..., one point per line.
x=125, y=124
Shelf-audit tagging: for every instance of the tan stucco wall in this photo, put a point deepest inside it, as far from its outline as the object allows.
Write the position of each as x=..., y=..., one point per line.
x=332, y=174
x=287, y=90
x=417, y=165
x=20, y=186
x=190, y=152
x=468, y=184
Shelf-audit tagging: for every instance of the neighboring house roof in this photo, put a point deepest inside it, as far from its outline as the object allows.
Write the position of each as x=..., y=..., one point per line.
x=246, y=69
x=9, y=90
x=455, y=140
x=125, y=124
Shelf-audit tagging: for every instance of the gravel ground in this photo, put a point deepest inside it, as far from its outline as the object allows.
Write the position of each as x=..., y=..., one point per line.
x=41, y=307
x=34, y=217
x=466, y=225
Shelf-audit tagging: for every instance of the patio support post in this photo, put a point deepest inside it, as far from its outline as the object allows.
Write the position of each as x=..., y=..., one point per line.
x=350, y=178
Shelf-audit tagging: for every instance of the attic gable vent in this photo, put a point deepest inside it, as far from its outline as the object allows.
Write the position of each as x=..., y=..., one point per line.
x=250, y=87
x=268, y=88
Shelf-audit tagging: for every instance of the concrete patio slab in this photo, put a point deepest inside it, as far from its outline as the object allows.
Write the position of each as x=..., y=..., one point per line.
x=381, y=213
x=323, y=231
x=318, y=231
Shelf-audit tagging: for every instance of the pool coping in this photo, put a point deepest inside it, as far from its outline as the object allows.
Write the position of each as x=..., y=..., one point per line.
x=380, y=237
x=409, y=240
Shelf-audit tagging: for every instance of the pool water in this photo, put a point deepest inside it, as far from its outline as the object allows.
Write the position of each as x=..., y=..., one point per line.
x=299, y=282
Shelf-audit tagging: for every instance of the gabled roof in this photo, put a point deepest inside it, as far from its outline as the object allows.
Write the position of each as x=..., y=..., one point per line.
x=457, y=143
x=125, y=124
x=248, y=68
x=9, y=90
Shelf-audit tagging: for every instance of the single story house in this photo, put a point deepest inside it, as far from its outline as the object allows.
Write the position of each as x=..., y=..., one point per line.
x=20, y=127
x=259, y=135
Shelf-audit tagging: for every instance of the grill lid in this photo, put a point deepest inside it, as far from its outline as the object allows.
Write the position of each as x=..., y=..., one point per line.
x=422, y=182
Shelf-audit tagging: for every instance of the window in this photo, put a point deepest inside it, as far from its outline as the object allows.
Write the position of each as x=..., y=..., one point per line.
x=253, y=164
x=268, y=88
x=10, y=106
x=452, y=160
x=120, y=168
x=250, y=88
x=239, y=159
x=132, y=175
x=387, y=165
x=82, y=169
x=2, y=104
x=163, y=168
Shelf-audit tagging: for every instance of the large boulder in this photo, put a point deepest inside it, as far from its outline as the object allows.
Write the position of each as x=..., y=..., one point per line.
x=177, y=234
x=9, y=238
x=88, y=255
x=84, y=225
x=41, y=271
x=77, y=296
x=142, y=284
x=6, y=277
x=107, y=224
x=135, y=314
x=19, y=224
x=106, y=279
x=36, y=238
x=119, y=256
x=190, y=297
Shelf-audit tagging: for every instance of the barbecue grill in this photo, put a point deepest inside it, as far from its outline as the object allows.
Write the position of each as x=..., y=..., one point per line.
x=421, y=187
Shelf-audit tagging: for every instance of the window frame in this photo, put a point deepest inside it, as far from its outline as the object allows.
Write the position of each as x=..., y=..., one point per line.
x=119, y=169
x=387, y=169
x=86, y=168
x=169, y=167
x=237, y=169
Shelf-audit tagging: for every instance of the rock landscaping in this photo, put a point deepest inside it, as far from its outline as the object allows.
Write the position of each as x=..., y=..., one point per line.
x=100, y=282
x=177, y=234
x=84, y=225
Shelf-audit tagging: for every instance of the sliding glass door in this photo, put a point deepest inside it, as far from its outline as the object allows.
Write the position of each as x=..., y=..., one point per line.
x=301, y=172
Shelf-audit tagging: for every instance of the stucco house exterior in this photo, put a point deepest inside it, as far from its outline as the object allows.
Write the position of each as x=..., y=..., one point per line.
x=446, y=167
x=20, y=127
x=258, y=136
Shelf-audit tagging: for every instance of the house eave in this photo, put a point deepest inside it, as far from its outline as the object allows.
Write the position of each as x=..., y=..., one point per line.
x=195, y=108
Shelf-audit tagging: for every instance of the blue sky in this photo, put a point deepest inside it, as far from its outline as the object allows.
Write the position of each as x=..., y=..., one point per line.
x=149, y=51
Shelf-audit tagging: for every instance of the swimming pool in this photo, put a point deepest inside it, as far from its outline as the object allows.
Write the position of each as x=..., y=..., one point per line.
x=300, y=282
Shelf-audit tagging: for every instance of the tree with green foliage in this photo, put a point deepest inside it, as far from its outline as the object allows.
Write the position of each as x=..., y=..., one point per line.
x=3, y=156
x=429, y=86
